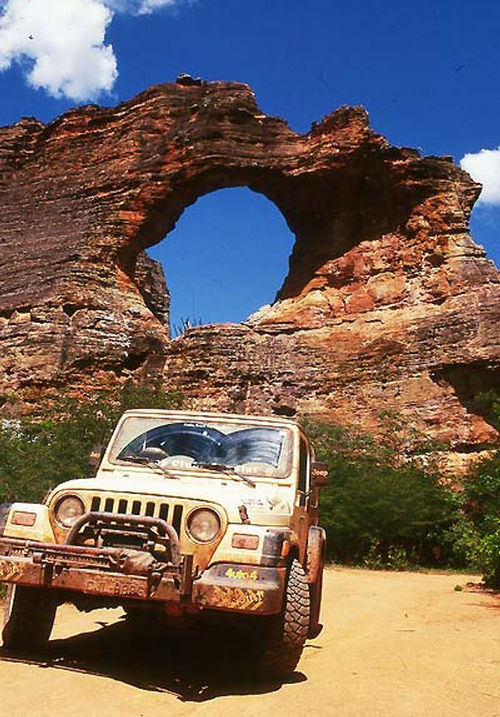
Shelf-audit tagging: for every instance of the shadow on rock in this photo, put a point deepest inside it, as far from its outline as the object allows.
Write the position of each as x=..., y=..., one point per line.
x=199, y=663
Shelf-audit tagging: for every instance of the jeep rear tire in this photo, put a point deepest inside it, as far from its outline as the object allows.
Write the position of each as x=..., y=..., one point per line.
x=28, y=617
x=284, y=642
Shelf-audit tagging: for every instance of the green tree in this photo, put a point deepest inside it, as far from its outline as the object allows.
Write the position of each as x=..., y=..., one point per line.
x=379, y=509
x=38, y=452
x=481, y=501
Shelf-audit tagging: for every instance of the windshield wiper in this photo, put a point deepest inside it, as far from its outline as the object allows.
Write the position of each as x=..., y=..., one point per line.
x=150, y=464
x=228, y=470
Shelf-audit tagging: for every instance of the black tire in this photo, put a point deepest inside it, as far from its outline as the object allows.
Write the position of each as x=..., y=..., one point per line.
x=28, y=618
x=285, y=639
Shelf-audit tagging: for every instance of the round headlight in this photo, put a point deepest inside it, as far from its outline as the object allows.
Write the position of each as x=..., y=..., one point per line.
x=68, y=510
x=203, y=525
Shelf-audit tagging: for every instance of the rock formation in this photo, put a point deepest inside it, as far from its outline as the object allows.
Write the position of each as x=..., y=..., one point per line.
x=388, y=303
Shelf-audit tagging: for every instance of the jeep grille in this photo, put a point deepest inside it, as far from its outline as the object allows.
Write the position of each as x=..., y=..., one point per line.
x=172, y=513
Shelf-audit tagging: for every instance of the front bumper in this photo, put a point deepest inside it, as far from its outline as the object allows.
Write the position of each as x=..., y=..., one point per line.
x=130, y=575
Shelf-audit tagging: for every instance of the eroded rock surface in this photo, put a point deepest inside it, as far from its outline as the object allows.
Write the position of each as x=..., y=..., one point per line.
x=388, y=304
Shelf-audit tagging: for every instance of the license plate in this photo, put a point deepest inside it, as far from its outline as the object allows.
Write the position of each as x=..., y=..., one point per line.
x=122, y=587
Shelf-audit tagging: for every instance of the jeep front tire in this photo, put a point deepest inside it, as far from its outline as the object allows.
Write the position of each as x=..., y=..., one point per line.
x=28, y=618
x=283, y=644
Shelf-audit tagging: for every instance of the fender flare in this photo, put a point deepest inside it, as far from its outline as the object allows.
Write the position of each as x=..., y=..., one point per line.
x=315, y=552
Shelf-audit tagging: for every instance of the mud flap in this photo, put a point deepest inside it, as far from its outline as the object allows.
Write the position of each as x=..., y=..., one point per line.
x=316, y=548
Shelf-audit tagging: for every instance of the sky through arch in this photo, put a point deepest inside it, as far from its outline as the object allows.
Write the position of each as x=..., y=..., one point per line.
x=226, y=257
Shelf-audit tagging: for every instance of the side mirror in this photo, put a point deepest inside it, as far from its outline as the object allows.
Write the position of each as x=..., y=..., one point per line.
x=319, y=474
x=95, y=456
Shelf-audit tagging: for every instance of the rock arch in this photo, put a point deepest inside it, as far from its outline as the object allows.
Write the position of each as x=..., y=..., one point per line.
x=386, y=290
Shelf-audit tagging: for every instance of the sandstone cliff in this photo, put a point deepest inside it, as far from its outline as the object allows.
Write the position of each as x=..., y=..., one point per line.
x=388, y=303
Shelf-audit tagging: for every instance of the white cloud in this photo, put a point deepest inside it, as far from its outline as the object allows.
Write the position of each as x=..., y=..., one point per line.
x=146, y=7
x=61, y=43
x=484, y=167
x=141, y=7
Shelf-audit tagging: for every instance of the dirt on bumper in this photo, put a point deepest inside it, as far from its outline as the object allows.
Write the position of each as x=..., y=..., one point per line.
x=241, y=588
x=125, y=575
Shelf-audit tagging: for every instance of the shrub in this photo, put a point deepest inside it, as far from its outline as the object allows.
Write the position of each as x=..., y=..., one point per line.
x=481, y=504
x=386, y=507
x=461, y=543
x=482, y=491
x=482, y=507
x=39, y=452
x=378, y=509
x=490, y=557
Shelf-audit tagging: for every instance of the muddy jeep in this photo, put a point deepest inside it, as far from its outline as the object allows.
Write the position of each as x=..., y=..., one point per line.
x=189, y=514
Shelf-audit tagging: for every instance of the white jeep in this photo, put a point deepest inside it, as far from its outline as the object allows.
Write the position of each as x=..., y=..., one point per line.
x=189, y=513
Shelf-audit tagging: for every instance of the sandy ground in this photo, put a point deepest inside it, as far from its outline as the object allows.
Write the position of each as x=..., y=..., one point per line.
x=394, y=644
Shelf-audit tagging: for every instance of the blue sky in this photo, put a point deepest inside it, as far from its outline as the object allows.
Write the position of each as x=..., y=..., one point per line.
x=427, y=72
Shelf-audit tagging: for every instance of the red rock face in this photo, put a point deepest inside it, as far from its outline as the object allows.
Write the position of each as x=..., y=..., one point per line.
x=388, y=304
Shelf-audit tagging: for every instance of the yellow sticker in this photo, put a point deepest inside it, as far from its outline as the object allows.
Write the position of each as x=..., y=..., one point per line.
x=241, y=574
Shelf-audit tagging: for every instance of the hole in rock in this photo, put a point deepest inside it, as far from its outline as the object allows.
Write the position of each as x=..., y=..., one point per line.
x=226, y=257
x=70, y=309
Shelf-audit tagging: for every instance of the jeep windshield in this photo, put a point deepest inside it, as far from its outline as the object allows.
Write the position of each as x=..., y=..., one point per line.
x=198, y=445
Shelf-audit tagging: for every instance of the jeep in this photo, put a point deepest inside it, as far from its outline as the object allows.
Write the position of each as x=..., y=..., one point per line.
x=189, y=514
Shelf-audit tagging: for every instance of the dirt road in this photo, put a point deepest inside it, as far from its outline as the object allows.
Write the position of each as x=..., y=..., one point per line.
x=394, y=645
